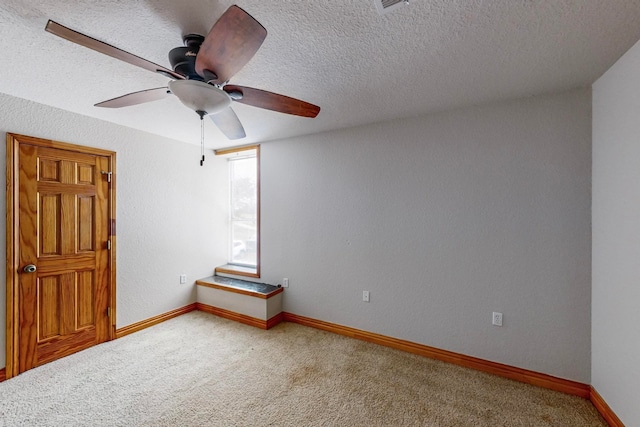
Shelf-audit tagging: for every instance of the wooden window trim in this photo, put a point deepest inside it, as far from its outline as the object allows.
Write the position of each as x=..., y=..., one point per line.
x=239, y=270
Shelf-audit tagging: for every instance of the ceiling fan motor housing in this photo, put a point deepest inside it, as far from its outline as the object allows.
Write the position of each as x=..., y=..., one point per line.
x=183, y=58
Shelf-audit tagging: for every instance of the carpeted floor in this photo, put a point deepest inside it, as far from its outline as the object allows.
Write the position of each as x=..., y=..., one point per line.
x=201, y=370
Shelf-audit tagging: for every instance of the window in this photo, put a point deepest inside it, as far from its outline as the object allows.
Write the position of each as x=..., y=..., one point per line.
x=244, y=211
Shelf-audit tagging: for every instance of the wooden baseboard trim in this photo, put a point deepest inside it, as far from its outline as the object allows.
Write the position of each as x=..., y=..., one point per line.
x=135, y=327
x=3, y=374
x=242, y=318
x=275, y=320
x=506, y=371
x=604, y=409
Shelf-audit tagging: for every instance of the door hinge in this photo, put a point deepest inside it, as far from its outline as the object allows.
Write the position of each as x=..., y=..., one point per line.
x=108, y=175
x=108, y=245
x=108, y=311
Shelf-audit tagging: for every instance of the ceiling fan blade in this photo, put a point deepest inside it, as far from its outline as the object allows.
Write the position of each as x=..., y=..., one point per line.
x=228, y=123
x=135, y=98
x=230, y=44
x=272, y=101
x=107, y=49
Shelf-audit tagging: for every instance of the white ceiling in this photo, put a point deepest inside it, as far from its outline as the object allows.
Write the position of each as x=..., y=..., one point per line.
x=358, y=66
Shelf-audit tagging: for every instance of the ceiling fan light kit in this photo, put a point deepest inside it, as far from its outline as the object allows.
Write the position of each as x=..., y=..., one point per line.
x=201, y=71
x=200, y=96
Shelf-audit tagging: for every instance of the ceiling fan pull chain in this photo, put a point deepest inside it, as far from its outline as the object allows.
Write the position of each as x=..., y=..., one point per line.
x=202, y=139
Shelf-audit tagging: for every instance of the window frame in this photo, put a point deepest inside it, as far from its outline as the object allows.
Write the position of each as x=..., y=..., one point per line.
x=236, y=269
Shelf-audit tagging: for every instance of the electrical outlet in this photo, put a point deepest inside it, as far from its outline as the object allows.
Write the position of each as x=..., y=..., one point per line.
x=497, y=319
x=365, y=296
x=183, y=279
x=285, y=283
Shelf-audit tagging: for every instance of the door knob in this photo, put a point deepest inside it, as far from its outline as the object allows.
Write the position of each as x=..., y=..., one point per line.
x=30, y=268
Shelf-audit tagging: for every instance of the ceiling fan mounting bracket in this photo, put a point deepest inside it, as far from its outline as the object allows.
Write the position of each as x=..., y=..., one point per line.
x=235, y=94
x=192, y=40
x=209, y=76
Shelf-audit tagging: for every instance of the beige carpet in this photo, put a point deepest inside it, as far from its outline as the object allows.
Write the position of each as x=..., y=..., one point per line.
x=200, y=370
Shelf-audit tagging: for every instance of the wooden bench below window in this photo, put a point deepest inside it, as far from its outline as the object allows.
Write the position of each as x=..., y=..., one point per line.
x=255, y=304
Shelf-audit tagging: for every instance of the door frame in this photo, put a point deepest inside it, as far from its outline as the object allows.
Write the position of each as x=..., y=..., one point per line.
x=13, y=238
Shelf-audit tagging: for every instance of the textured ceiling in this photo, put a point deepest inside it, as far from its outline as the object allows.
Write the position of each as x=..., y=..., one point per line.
x=358, y=66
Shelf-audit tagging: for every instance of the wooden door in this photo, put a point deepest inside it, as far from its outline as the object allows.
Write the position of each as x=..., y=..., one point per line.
x=64, y=226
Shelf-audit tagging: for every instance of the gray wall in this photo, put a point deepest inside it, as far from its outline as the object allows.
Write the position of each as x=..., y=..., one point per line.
x=616, y=237
x=166, y=209
x=444, y=219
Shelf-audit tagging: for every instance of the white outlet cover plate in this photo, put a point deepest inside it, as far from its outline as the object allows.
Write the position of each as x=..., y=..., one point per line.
x=497, y=318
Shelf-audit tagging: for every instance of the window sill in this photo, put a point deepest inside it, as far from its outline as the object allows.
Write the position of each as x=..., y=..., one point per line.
x=238, y=270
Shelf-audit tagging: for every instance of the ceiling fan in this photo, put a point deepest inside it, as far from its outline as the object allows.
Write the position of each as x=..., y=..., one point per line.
x=201, y=72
